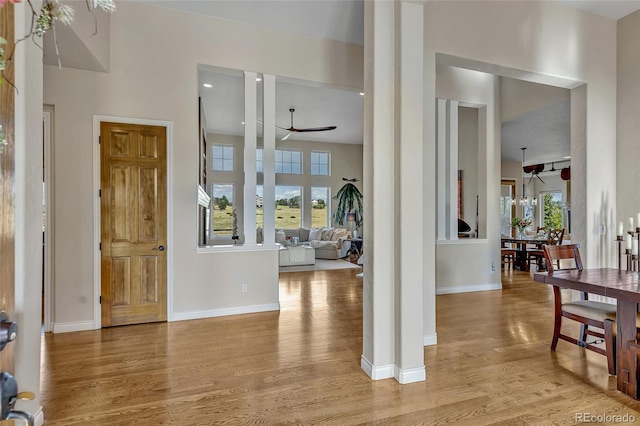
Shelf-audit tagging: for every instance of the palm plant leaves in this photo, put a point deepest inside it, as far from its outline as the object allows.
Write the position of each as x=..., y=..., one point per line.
x=349, y=201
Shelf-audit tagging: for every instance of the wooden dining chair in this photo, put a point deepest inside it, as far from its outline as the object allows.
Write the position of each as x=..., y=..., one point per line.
x=588, y=313
x=554, y=237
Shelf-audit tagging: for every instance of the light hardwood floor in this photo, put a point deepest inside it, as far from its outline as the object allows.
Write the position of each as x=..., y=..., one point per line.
x=492, y=365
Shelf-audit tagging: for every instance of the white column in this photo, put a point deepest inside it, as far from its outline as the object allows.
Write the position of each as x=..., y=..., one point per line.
x=393, y=147
x=250, y=142
x=452, y=170
x=379, y=239
x=268, y=159
x=442, y=169
x=409, y=347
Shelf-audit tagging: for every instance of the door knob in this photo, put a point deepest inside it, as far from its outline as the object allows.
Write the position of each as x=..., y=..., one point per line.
x=160, y=248
x=8, y=330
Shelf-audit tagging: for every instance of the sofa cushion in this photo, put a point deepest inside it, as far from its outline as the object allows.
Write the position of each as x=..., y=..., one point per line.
x=315, y=234
x=292, y=232
x=304, y=234
x=338, y=233
x=281, y=237
x=326, y=234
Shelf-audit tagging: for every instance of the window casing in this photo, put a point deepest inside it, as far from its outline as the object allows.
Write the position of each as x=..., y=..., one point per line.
x=320, y=163
x=222, y=204
x=288, y=162
x=222, y=158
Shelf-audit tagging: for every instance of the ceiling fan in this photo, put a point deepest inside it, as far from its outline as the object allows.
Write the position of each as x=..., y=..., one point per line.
x=534, y=169
x=308, y=129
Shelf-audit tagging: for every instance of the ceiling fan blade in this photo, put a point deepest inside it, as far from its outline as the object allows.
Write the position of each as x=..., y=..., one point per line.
x=530, y=179
x=285, y=137
x=540, y=179
x=313, y=129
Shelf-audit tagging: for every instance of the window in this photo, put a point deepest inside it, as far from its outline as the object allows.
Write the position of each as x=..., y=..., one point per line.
x=223, y=158
x=259, y=168
x=259, y=218
x=320, y=163
x=222, y=209
x=288, y=161
x=319, y=207
x=552, y=209
x=288, y=207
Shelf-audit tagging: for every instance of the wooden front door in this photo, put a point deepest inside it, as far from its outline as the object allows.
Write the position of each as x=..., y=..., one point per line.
x=133, y=208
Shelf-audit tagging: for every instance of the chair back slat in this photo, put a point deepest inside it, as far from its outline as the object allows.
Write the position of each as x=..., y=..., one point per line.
x=555, y=236
x=556, y=253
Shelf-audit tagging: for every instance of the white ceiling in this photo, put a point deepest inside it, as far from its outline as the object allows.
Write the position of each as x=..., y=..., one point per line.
x=314, y=107
x=343, y=20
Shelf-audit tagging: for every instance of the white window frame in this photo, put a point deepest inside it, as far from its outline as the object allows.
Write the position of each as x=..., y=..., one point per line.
x=223, y=158
x=328, y=163
x=282, y=163
x=212, y=228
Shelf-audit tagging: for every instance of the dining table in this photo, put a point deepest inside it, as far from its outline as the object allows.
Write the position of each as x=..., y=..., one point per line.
x=624, y=286
x=520, y=261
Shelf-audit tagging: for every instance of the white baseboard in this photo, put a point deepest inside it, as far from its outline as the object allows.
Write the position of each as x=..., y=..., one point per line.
x=410, y=375
x=468, y=288
x=38, y=417
x=430, y=339
x=376, y=372
x=210, y=313
x=67, y=327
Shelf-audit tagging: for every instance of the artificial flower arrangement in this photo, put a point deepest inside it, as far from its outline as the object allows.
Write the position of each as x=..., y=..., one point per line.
x=520, y=223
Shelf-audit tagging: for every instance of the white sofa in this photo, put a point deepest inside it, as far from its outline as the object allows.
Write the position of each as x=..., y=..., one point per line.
x=328, y=243
x=296, y=255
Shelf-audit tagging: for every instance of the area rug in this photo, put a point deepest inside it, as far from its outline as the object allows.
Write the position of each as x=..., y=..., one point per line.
x=321, y=265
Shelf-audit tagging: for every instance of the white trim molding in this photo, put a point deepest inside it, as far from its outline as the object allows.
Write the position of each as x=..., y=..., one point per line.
x=376, y=372
x=410, y=375
x=168, y=125
x=468, y=288
x=211, y=313
x=67, y=327
x=38, y=417
x=430, y=339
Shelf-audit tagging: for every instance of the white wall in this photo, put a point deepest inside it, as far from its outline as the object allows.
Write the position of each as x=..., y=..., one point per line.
x=480, y=89
x=518, y=96
x=550, y=43
x=154, y=75
x=628, y=154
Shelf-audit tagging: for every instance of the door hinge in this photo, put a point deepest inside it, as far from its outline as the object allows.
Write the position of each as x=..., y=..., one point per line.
x=99, y=192
x=101, y=300
x=99, y=139
x=99, y=246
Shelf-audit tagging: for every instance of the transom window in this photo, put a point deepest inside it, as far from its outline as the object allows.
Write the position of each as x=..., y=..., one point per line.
x=288, y=161
x=223, y=158
x=319, y=163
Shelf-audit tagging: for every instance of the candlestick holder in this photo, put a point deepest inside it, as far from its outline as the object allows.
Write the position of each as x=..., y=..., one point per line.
x=631, y=261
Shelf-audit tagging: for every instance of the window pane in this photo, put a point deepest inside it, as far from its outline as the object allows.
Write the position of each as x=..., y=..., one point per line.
x=278, y=155
x=286, y=156
x=217, y=151
x=259, y=220
x=286, y=167
x=228, y=152
x=319, y=207
x=314, y=169
x=314, y=157
x=324, y=170
x=295, y=168
x=320, y=163
x=217, y=164
x=278, y=167
x=222, y=209
x=228, y=165
x=288, y=207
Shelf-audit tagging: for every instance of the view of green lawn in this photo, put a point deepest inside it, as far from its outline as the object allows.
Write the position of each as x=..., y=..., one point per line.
x=286, y=217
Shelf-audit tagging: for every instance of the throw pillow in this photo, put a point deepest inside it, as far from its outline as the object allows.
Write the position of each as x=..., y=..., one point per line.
x=327, y=233
x=304, y=234
x=281, y=237
x=338, y=233
x=315, y=234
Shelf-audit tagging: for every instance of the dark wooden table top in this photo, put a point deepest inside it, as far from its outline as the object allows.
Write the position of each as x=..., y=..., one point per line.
x=610, y=282
x=525, y=240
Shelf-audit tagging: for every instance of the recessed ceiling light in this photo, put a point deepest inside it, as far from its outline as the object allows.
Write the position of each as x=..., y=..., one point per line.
x=243, y=122
x=567, y=157
x=208, y=85
x=258, y=79
x=361, y=93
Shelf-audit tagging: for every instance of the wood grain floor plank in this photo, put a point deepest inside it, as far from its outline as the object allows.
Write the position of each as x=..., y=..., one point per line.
x=492, y=366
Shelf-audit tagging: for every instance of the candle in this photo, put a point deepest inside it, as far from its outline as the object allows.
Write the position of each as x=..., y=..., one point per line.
x=634, y=250
x=631, y=228
x=637, y=221
x=620, y=229
x=628, y=242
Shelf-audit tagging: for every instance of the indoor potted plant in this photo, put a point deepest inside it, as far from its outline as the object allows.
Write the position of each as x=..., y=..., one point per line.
x=349, y=203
